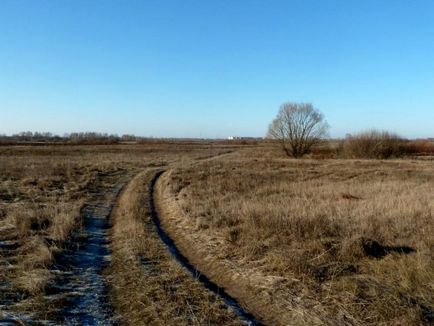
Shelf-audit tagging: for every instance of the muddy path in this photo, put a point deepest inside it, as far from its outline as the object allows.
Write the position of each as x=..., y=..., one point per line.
x=176, y=253
x=77, y=293
x=80, y=287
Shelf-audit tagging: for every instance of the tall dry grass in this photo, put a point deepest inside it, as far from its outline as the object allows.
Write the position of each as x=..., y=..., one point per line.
x=327, y=242
x=41, y=201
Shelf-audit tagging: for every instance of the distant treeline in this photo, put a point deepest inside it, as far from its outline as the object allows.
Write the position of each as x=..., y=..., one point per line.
x=73, y=138
x=95, y=138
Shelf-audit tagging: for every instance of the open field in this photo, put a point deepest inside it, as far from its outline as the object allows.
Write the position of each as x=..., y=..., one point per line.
x=293, y=242
x=311, y=242
x=46, y=196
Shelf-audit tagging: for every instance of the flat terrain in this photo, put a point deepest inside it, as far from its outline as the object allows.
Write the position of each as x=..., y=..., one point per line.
x=56, y=238
x=290, y=242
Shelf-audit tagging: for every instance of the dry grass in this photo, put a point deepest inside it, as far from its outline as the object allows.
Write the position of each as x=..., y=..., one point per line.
x=310, y=242
x=296, y=241
x=42, y=191
x=41, y=201
x=148, y=286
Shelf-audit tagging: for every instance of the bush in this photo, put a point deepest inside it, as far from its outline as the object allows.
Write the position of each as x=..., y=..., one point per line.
x=420, y=148
x=373, y=144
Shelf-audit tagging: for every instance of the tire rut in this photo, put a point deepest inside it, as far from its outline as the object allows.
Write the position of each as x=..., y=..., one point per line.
x=80, y=285
x=77, y=293
x=176, y=253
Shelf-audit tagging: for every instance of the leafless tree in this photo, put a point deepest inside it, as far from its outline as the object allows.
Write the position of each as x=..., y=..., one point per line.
x=298, y=126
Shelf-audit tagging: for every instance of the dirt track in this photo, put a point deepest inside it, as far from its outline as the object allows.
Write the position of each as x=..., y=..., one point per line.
x=77, y=293
x=176, y=253
x=79, y=283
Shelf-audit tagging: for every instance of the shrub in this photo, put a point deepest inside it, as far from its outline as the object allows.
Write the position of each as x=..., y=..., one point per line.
x=373, y=144
x=420, y=147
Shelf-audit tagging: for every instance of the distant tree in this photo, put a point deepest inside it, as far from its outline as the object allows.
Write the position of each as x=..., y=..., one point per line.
x=298, y=126
x=127, y=137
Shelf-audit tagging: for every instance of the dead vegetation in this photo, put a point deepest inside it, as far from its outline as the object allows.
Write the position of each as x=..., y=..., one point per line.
x=305, y=242
x=41, y=201
x=42, y=192
x=374, y=144
x=311, y=242
x=148, y=286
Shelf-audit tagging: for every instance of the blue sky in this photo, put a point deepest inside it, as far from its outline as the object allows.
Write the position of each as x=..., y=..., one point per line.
x=203, y=68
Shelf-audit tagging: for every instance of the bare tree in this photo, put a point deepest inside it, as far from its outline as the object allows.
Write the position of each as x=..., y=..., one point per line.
x=298, y=126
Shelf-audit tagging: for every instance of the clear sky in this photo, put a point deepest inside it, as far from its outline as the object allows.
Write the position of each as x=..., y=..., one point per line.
x=215, y=68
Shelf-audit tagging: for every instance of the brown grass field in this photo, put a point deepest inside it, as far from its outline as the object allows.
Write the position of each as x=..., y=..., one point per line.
x=314, y=241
